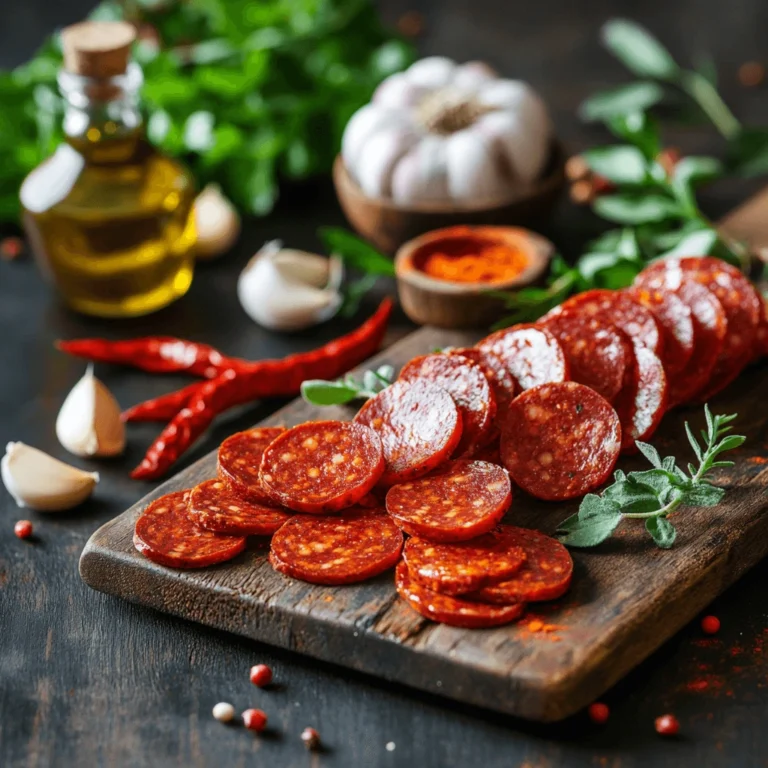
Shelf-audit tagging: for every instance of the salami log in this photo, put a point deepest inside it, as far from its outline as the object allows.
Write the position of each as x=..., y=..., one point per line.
x=338, y=549
x=239, y=459
x=468, y=386
x=545, y=575
x=166, y=534
x=452, y=610
x=532, y=355
x=560, y=441
x=419, y=426
x=461, y=501
x=322, y=466
x=215, y=507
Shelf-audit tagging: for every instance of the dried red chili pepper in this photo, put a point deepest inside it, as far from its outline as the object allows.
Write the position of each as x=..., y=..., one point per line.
x=164, y=407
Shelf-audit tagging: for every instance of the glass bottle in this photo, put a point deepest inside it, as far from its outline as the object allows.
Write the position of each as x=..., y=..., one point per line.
x=109, y=217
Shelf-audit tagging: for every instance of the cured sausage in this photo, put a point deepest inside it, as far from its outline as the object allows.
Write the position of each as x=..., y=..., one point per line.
x=239, y=458
x=166, y=534
x=461, y=501
x=338, y=549
x=560, y=440
x=322, y=466
x=455, y=569
x=454, y=611
x=532, y=355
x=545, y=575
x=215, y=507
x=468, y=386
x=419, y=426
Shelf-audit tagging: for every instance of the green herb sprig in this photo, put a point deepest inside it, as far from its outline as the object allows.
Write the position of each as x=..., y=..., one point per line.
x=347, y=389
x=654, y=494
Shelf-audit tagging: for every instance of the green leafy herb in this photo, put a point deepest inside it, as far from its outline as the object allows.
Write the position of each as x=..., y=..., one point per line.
x=652, y=495
x=347, y=389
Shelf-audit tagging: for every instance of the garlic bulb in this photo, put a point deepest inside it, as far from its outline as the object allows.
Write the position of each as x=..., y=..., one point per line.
x=89, y=420
x=448, y=133
x=38, y=481
x=217, y=223
x=288, y=290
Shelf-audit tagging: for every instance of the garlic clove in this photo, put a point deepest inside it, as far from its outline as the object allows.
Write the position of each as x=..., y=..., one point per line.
x=89, y=422
x=382, y=152
x=431, y=72
x=474, y=172
x=303, y=267
x=421, y=175
x=470, y=76
x=217, y=223
x=38, y=481
x=398, y=92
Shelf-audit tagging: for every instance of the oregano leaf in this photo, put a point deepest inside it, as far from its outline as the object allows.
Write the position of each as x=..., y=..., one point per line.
x=662, y=531
x=649, y=452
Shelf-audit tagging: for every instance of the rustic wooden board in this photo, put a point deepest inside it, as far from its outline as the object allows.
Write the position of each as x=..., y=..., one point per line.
x=627, y=598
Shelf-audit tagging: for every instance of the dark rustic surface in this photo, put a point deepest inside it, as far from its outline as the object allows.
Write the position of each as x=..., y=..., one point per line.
x=90, y=680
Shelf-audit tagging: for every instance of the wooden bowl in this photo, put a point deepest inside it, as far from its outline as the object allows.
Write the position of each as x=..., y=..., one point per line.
x=387, y=225
x=432, y=301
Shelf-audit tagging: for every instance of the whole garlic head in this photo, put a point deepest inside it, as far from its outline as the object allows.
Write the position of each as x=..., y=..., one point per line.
x=448, y=133
x=217, y=223
x=89, y=422
x=288, y=290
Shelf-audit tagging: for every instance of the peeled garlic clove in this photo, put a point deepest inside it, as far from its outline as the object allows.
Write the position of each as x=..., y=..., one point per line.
x=38, y=481
x=89, y=420
x=217, y=223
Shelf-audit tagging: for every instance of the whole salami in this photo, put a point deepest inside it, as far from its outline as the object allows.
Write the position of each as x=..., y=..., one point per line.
x=239, y=459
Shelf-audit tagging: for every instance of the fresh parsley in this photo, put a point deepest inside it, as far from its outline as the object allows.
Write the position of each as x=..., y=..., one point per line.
x=347, y=389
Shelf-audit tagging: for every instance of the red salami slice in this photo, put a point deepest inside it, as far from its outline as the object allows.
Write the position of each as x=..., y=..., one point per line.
x=545, y=575
x=598, y=353
x=419, y=426
x=489, y=453
x=467, y=385
x=560, y=440
x=532, y=355
x=166, y=534
x=455, y=569
x=500, y=379
x=240, y=458
x=452, y=610
x=322, y=466
x=461, y=501
x=215, y=507
x=339, y=549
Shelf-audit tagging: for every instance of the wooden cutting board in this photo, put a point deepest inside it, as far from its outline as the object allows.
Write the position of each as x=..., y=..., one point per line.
x=627, y=598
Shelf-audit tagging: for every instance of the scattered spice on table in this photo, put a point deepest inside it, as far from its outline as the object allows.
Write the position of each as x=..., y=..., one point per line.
x=751, y=74
x=261, y=675
x=599, y=712
x=11, y=248
x=255, y=720
x=710, y=625
x=224, y=712
x=667, y=725
x=23, y=529
x=311, y=739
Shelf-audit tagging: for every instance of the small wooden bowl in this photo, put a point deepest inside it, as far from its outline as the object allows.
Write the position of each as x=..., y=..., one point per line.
x=430, y=301
x=387, y=225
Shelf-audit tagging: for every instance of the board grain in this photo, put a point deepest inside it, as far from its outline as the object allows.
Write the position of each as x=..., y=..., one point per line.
x=627, y=597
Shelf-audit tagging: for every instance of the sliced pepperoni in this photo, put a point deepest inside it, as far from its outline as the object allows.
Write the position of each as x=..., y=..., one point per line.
x=215, y=507
x=461, y=501
x=598, y=353
x=489, y=453
x=545, y=575
x=455, y=569
x=560, y=440
x=452, y=610
x=419, y=426
x=239, y=459
x=532, y=355
x=322, y=466
x=468, y=386
x=166, y=534
x=339, y=549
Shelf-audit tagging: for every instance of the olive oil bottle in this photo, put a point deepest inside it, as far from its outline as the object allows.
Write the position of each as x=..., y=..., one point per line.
x=108, y=217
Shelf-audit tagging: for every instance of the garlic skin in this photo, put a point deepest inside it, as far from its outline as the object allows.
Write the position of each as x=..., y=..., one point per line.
x=38, y=481
x=89, y=422
x=289, y=290
x=442, y=132
x=217, y=223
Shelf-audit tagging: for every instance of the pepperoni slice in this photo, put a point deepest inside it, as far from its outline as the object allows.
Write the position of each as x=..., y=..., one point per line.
x=166, y=534
x=560, y=440
x=239, y=460
x=532, y=355
x=489, y=454
x=339, y=549
x=419, y=426
x=468, y=386
x=598, y=353
x=455, y=569
x=452, y=610
x=215, y=507
x=322, y=466
x=545, y=575
x=463, y=500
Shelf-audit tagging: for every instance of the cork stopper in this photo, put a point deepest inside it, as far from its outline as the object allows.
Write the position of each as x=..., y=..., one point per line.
x=98, y=49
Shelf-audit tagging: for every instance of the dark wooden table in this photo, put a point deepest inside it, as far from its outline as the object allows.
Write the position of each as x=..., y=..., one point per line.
x=88, y=680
